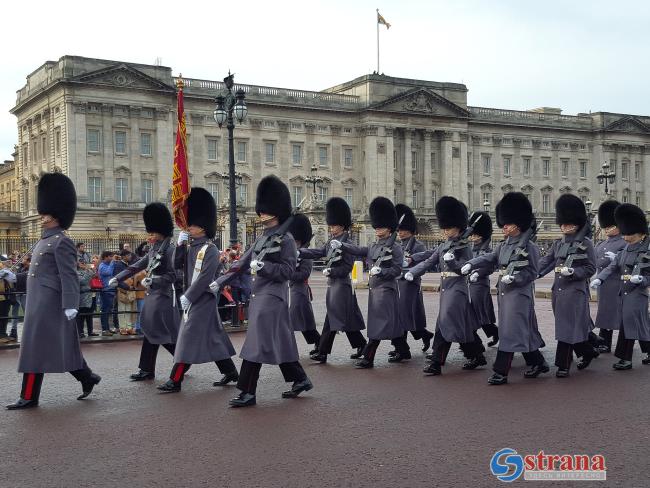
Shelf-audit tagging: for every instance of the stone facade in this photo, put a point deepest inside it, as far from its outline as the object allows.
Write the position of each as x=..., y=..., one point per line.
x=111, y=127
x=9, y=215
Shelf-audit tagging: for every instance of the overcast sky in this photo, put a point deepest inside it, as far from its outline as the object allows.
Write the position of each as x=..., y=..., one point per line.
x=579, y=55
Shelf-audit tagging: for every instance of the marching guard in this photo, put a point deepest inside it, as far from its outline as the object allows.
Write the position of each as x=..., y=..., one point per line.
x=272, y=260
x=301, y=312
x=50, y=341
x=632, y=267
x=479, y=282
x=411, y=301
x=573, y=260
x=517, y=260
x=456, y=318
x=385, y=259
x=608, y=316
x=343, y=313
x=160, y=318
x=201, y=338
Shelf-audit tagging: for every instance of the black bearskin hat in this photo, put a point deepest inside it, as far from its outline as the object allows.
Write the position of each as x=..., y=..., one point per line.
x=383, y=214
x=338, y=212
x=606, y=213
x=451, y=213
x=273, y=198
x=515, y=208
x=630, y=219
x=409, y=222
x=569, y=209
x=300, y=229
x=158, y=219
x=58, y=198
x=484, y=226
x=202, y=211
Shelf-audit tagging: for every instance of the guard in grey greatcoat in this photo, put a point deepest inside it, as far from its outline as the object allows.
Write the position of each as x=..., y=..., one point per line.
x=301, y=312
x=573, y=260
x=343, y=313
x=50, y=342
x=457, y=320
x=411, y=301
x=272, y=260
x=632, y=267
x=517, y=260
x=609, y=313
x=160, y=318
x=201, y=338
x=479, y=283
x=384, y=258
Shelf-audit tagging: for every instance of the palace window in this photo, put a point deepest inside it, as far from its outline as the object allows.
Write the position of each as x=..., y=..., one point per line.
x=506, y=166
x=147, y=190
x=565, y=168
x=297, y=195
x=322, y=156
x=121, y=189
x=213, y=148
x=145, y=144
x=583, y=169
x=348, y=196
x=546, y=167
x=486, y=164
x=526, y=167
x=624, y=170
x=296, y=154
x=347, y=157
x=546, y=202
x=269, y=152
x=241, y=152
x=93, y=140
x=213, y=188
x=120, y=142
x=95, y=189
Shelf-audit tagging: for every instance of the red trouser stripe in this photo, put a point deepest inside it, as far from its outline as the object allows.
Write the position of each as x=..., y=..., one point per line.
x=178, y=374
x=29, y=387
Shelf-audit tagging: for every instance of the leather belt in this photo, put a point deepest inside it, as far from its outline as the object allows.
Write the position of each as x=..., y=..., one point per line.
x=558, y=269
x=449, y=274
x=626, y=277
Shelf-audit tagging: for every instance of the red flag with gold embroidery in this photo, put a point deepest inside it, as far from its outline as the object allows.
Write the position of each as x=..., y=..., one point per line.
x=181, y=179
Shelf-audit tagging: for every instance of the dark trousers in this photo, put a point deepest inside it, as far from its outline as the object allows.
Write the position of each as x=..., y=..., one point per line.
x=607, y=335
x=327, y=339
x=440, y=348
x=148, y=355
x=226, y=366
x=564, y=353
x=249, y=374
x=31, y=387
x=490, y=330
x=311, y=336
x=107, y=299
x=399, y=343
x=5, y=305
x=85, y=317
x=419, y=334
x=625, y=346
x=503, y=360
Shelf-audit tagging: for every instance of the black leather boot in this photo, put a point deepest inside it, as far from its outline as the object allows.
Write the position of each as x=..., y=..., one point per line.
x=623, y=365
x=497, y=379
x=142, y=376
x=243, y=400
x=475, y=362
x=359, y=352
x=88, y=386
x=399, y=357
x=364, y=363
x=227, y=378
x=169, y=386
x=562, y=373
x=433, y=369
x=21, y=404
x=495, y=339
x=297, y=388
x=536, y=370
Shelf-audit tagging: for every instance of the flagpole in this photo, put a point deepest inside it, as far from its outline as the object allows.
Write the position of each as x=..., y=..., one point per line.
x=377, y=22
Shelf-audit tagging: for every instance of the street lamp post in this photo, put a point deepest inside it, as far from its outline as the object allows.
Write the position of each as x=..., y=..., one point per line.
x=607, y=177
x=314, y=179
x=486, y=206
x=229, y=108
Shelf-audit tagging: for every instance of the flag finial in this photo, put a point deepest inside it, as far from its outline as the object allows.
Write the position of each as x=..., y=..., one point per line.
x=179, y=82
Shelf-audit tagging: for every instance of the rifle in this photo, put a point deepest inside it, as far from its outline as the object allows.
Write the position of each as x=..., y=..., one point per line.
x=385, y=252
x=463, y=240
x=157, y=258
x=575, y=246
x=643, y=259
x=271, y=244
x=519, y=258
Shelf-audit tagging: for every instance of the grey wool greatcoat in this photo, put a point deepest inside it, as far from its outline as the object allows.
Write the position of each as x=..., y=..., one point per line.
x=383, y=295
x=633, y=298
x=570, y=294
x=160, y=319
x=480, y=289
x=411, y=301
x=300, y=309
x=201, y=338
x=456, y=318
x=343, y=313
x=269, y=338
x=609, y=314
x=518, y=330
x=50, y=342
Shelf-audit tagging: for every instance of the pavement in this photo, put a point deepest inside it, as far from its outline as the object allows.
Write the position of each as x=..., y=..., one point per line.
x=386, y=427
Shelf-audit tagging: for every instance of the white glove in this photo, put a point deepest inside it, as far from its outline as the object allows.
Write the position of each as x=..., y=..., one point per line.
x=448, y=256
x=409, y=276
x=466, y=269
x=70, y=313
x=147, y=282
x=610, y=255
x=334, y=244
x=182, y=237
x=326, y=271
x=112, y=283
x=405, y=263
x=564, y=271
x=473, y=277
x=256, y=265
x=595, y=283
x=185, y=303
x=507, y=279
x=214, y=286
x=375, y=270
x=636, y=279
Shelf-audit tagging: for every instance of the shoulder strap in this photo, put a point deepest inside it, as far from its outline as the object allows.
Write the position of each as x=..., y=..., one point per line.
x=198, y=264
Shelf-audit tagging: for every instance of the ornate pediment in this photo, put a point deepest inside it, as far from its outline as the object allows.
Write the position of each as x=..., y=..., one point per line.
x=421, y=102
x=122, y=75
x=628, y=124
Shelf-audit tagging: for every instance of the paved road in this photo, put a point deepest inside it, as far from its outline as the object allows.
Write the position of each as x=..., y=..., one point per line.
x=386, y=427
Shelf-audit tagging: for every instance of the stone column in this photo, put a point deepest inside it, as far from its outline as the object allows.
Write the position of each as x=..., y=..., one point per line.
x=446, y=164
x=76, y=149
x=645, y=178
x=387, y=171
x=107, y=153
x=373, y=183
x=462, y=166
x=428, y=174
x=134, y=155
x=409, y=134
